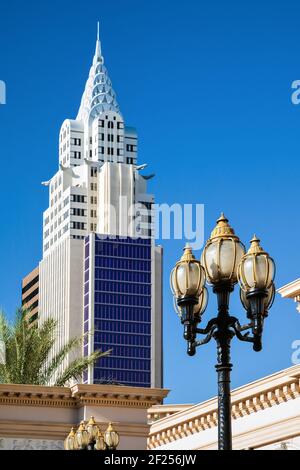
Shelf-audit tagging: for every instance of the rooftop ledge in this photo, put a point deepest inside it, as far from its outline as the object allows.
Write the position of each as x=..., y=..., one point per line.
x=291, y=290
x=250, y=398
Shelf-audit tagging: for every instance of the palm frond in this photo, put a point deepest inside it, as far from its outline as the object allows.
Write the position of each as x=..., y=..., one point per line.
x=28, y=353
x=78, y=366
x=59, y=358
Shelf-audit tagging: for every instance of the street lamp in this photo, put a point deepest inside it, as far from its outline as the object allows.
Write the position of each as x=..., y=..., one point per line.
x=88, y=436
x=224, y=263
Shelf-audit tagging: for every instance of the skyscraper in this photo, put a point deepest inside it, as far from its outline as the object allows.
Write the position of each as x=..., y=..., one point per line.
x=101, y=271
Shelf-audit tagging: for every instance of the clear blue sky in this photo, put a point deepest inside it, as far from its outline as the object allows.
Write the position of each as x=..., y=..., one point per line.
x=208, y=86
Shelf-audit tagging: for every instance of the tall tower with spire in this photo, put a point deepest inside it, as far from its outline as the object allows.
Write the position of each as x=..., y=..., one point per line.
x=101, y=270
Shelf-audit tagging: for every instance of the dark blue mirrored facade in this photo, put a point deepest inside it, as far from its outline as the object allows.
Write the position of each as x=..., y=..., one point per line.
x=117, y=283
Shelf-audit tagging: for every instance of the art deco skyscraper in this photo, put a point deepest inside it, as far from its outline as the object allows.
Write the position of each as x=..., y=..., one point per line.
x=101, y=270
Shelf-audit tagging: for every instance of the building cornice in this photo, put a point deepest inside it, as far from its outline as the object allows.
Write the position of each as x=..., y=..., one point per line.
x=290, y=290
x=36, y=395
x=251, y=398
x=81, y=395
x=117, y=395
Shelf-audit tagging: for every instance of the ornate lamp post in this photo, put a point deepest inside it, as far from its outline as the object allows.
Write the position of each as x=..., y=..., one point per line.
x=223, y=264
x=89, y=437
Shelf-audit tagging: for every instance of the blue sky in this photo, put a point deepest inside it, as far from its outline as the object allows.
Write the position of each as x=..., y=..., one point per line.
x=208, y=86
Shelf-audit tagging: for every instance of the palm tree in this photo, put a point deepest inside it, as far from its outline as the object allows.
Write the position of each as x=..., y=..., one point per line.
x=27, y=353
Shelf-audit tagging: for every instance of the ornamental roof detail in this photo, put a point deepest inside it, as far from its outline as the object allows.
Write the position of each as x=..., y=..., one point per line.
x=98, y=96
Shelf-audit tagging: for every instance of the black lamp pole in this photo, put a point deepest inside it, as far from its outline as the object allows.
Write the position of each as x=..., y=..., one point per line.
x=222, y=328
x=223, y=336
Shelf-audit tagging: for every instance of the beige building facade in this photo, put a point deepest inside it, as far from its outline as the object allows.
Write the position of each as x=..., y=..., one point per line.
x=39, y=418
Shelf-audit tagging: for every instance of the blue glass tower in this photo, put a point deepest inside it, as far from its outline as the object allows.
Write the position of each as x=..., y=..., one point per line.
x=117, y=308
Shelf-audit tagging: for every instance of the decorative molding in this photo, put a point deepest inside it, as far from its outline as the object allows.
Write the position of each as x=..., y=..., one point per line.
x=157, y=412
x=28, y=401
x=290, y=290
x=80, y=395
x=115, y=402
x=252, y=398
x=118, y=395
x=36, y=395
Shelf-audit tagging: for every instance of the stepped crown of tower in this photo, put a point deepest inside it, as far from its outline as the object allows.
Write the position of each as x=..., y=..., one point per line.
x=98, y=96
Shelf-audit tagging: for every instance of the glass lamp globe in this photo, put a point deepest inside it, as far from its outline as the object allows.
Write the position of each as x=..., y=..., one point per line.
x=188, y=277
x=256, y=269
x=198, y=309
x=111, y=437
x=92, y=429
x=100, y=444
x=69, y=443
x=222, y=254
x=268, y=300
x=82, y=436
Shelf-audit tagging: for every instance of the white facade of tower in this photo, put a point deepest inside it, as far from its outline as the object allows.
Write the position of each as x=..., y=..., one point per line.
x=98, y=188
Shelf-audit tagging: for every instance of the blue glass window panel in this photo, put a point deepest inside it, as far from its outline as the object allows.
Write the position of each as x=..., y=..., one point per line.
x=122, y=287
x=86, y=312
x=86, y=288
x=86, y=250
x=123, y=327
x=122, y=339
x=123, y=376
x=117, y=312
x=126, y=351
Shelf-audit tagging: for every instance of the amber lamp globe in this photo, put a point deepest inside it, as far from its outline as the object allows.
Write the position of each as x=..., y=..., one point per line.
x=222, y=254
x=256, y=269
x=188, y=277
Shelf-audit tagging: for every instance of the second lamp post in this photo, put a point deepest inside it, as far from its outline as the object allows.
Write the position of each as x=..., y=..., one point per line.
x=223, y=263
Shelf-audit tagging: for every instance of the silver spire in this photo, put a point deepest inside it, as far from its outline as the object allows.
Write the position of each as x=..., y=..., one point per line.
x=98, y=96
